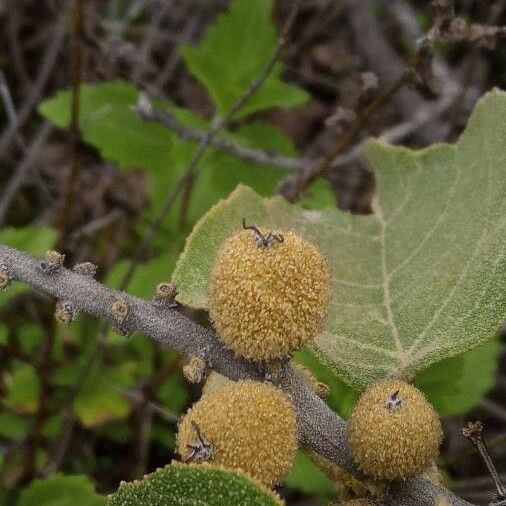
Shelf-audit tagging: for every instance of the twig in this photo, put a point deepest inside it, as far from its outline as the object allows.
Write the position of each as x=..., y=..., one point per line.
x=422, y=116
x=293, y=187
x=474, y=432
x=319, y=428
x=138, y=399
x=22, y=169
x=494, y=409
x=186, y=34
x=250, y=155
x=9, y=107
x=77, y=50
x=36, y=90
x=385, y=62
x=96, y=224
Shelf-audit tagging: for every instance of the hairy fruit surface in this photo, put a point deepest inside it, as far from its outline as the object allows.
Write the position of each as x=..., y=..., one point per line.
x=268, y=300
x=249, y=426
x=394, y=432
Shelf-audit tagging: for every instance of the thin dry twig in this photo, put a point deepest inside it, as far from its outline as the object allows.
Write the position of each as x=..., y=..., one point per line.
x=474, y=432
x=77, y=53
x=37, y=88
x=21, y=171
x=244, y=153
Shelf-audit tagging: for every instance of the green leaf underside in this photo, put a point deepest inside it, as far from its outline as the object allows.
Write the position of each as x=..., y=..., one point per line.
x=234, y=52
x=181, y=485
x=419, y=280
x=60, y=490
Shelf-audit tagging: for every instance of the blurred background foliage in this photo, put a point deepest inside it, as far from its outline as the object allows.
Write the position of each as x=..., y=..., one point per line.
x=83, y=400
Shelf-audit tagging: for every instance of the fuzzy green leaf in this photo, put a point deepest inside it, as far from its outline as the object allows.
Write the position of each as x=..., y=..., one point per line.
x=234, y=52
x=179, y=485
x=60, y=490
x=419, y=280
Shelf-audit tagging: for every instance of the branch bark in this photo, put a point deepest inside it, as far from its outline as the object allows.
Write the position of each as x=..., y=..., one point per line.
x=319, y=428
x=244, y=153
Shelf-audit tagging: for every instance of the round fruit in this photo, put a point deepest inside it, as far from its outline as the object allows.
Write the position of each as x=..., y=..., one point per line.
x=268, y=296
x=244, y=425
x=393, y=433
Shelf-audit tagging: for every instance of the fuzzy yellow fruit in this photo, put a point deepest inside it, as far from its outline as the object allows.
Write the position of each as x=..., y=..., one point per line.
x=268, y=298
x=394, y=432
x=244, y=425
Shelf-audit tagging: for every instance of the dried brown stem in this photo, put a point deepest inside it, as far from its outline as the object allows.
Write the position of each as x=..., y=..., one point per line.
x=474, y=432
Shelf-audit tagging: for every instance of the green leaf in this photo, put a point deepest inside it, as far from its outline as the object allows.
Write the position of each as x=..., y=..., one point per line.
x=456, y=385
x=108, y=121
x=183, y=484
x=101, y=398
x=35, y=241
x=418, y=281
x=309, y=478
x=234, y=52
x=13, y=426
x=23, y=385
x=60, y=490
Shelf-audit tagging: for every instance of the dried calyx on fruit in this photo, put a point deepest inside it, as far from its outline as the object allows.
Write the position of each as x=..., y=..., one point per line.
x=394, y=432
x=269, y=292
x=244, y=425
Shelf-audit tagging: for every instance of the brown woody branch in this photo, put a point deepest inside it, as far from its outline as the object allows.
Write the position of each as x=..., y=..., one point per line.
x=319, y=427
